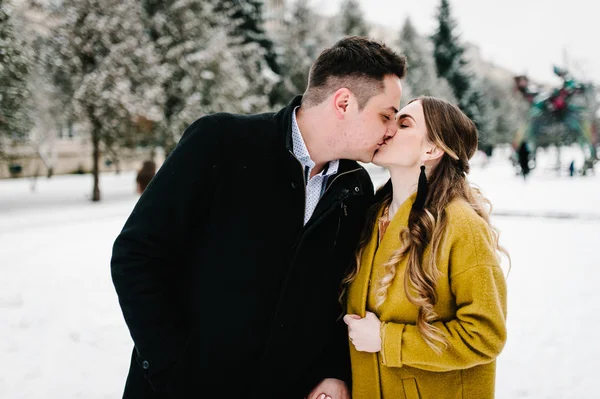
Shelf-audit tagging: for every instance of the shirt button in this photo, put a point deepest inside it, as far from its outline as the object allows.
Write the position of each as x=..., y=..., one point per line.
x=356, y=189
x=145, y=365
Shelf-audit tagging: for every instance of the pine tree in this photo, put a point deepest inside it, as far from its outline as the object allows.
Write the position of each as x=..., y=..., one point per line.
x=448, y=53
x=209, y=67
x=248, y=24
x=15, y=64
x=352, y=22
x=249, y=18
x=299, y=45
x=506, y=112
x=451, y=65
x=422, y=78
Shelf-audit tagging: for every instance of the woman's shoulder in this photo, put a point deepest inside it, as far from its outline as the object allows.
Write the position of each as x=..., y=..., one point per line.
x=459, y=210
x=466, y=225
x=470, y=239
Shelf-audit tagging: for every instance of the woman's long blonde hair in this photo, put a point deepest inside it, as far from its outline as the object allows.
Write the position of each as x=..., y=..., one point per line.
x=452, y=131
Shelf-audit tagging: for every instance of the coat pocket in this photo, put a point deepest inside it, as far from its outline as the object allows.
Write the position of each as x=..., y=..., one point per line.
x=411, y=391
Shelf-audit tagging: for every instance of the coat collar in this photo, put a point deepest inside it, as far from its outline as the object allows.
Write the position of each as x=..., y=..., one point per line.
x=374, y=254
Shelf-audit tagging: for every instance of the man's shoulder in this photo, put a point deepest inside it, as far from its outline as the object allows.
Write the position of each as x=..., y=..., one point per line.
x=233, y=129
x=247, y=120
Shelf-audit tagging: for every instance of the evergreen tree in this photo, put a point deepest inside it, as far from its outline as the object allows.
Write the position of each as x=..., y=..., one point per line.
x=249, y=24
x=209, y=67
x=505, y=111
x=301, y=40
x=352, y=22
x=15, y=64
x=451, y=65
x=421, y=78
x=448, y=53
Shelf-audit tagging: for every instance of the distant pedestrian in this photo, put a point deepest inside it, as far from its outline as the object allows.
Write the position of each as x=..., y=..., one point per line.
x=145, y=174
x=523, y=155
x=572, y=168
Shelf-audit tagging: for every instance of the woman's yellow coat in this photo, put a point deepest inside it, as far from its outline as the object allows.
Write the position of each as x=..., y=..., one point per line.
x=471, y=311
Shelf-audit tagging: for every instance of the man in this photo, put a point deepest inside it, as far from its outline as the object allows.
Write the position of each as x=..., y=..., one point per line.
x=228, y=269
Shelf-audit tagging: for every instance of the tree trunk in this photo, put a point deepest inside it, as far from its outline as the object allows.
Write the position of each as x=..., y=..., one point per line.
x=96, y=165
x=96, y=131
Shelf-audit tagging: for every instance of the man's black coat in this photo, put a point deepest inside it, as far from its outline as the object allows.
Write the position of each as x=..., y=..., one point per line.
x=220, y=283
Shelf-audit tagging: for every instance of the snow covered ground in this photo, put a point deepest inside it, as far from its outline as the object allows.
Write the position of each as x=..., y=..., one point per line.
x=62, y=334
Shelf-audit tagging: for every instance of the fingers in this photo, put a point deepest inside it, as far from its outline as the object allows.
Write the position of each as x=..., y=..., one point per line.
x=349, y=318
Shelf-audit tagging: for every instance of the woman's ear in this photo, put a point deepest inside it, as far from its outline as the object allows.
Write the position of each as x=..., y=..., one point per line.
x=432, y=153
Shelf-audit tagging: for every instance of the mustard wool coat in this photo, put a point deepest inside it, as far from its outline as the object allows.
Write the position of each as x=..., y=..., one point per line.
x=471, y=309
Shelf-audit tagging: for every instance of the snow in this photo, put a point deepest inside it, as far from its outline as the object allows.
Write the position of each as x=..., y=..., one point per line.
x=63, y=336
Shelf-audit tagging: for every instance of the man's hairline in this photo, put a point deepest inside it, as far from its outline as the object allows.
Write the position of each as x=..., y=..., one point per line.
x=361, y=108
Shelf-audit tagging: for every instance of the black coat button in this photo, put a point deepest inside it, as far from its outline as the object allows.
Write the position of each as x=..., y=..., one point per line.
x=145, y=365
x=294, y=185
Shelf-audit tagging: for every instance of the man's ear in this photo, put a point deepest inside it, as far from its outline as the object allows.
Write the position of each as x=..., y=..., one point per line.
x=342, y=99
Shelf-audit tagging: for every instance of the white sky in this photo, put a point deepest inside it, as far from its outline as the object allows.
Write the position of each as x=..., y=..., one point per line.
x=526, y=36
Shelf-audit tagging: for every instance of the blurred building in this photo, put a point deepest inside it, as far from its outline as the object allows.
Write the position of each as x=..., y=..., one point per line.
x=66, y=152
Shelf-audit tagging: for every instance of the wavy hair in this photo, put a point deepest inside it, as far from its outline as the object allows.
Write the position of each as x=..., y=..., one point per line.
x=452, y=131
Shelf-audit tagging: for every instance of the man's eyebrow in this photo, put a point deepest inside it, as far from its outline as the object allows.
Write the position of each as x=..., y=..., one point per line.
x=392, y=109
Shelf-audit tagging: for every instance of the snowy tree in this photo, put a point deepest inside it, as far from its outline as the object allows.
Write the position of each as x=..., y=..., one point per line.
x=448, y=53
x=15, y=64
x=506, y=111
x=209, y=68
x=299, y=44
x=104, y=64
x=351, y=20
x=248, y=23
x=451, y=65
x=421, y=78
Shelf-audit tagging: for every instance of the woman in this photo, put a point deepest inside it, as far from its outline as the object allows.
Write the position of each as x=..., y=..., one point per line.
x=426, y=303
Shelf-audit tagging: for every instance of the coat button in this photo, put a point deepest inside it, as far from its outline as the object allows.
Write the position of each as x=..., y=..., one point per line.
x=145, y=365
x=356, y=189
x=294, y=185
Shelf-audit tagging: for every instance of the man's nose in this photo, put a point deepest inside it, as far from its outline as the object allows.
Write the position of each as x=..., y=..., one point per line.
x=391, y=132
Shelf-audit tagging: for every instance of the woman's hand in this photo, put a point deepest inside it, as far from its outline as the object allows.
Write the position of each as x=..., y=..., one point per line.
x=364, y=332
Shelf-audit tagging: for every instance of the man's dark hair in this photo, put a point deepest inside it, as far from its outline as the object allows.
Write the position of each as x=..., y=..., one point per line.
x=356, y=63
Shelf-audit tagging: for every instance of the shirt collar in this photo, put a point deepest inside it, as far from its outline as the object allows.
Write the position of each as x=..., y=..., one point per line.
x=301, y=152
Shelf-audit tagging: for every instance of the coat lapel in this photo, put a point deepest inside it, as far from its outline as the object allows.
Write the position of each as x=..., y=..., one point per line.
x=359, y=289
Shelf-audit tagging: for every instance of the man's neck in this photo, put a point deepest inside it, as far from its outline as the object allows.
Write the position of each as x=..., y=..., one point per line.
x=314, y=135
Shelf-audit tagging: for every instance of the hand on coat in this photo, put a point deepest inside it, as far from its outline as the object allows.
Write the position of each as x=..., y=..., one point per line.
x=364, y=332
x=330, y=388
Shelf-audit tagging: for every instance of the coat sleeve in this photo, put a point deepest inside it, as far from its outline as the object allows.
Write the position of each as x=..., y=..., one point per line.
x=477, y=333
x=147, y=250
x=476, y=336
x=334, y=362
